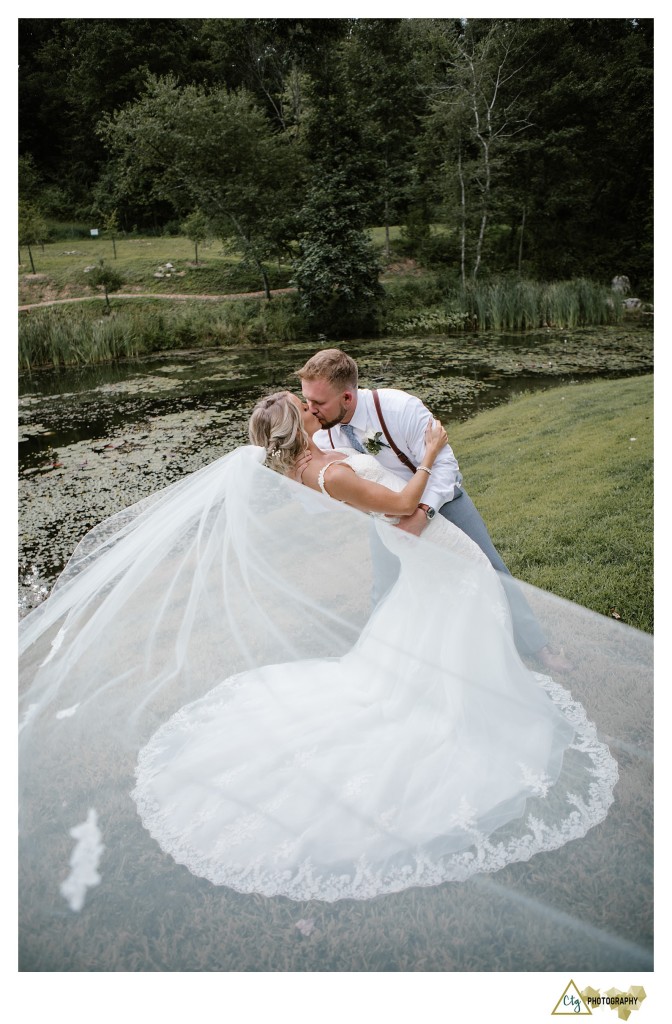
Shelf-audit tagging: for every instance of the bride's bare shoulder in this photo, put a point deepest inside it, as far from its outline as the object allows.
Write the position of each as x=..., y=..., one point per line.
x=338, y=473
x=314, y=473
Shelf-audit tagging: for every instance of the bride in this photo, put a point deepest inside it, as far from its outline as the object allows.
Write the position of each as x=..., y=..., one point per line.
x=377, y=770
x=207, y=665
x=284, y=427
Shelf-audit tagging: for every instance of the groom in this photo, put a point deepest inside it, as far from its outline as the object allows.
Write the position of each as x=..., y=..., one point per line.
x=391, y=425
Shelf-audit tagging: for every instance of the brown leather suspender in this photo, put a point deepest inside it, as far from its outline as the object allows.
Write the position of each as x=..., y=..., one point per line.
x=400, y=455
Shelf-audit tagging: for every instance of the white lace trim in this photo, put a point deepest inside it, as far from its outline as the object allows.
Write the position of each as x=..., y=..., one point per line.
x=364, y=879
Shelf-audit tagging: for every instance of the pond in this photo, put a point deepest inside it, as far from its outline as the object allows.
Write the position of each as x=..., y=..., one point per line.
x=93, y=440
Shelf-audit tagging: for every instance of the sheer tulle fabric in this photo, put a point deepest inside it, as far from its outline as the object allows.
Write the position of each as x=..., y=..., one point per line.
x=207, y=679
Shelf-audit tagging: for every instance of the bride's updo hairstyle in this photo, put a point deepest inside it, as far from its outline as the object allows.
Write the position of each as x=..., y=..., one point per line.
x=276, y=425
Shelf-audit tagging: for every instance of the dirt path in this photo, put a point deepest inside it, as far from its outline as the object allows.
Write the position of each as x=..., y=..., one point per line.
x=139, y=295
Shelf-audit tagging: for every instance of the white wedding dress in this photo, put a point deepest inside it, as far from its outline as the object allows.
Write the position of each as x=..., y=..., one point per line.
x=427, y=752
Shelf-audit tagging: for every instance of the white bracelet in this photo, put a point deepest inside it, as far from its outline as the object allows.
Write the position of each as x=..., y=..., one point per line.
x=425, y=469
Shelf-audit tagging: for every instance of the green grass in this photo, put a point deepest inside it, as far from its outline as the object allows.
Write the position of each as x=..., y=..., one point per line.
x=81, y=334
x=61, y=268
x=564, y=480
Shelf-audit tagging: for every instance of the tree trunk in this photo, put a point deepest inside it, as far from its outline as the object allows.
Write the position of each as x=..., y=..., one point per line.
x=30, y=254
x=264, y=276
x=387, y=229
x=463, y=224
x=484, y=214
x=479, y=243
x=520, y=244
x=267, y=283
x=250, y=251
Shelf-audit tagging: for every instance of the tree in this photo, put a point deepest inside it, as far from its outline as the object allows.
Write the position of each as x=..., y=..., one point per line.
x=257, y=54
x=74, y=70
x=385, y=75
x=586, y=170
x=477, y=113
x=336, y=271
x=419, y=119
x=107, y=279
x=195, y=227
x=111, y=228
x=32, y=230
x=214, y=150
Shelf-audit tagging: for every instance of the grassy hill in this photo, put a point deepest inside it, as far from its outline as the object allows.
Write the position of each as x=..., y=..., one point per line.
x=564, y=480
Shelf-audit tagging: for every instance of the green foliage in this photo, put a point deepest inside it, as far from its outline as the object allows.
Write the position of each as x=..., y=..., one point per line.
x=431, y=304
x=241, y=116
x=66, y=230
x=581, y=524
x=50, y=338
x=337, y=278
x=32, y=225
x=74, y=336
x=510, y=305
x=212, y=150
x=336, y=271
x=438, y=321
x=32, y=229
x=106, y=278
x=195, y=227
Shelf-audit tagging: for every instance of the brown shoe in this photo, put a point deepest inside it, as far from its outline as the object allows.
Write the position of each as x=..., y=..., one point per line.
x=554, y=661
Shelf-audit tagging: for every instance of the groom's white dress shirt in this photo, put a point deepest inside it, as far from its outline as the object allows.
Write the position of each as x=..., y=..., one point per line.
x=406, y=419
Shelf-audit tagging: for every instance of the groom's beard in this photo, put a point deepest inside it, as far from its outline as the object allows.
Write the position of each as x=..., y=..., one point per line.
x=327, y=424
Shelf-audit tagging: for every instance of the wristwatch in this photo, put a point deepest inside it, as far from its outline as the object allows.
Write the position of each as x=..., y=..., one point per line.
x=428, y=510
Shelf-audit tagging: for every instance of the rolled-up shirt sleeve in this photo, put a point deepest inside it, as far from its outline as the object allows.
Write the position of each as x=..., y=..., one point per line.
x=445, y=477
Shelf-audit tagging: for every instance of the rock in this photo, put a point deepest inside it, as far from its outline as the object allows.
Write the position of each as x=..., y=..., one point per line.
x=621, y=284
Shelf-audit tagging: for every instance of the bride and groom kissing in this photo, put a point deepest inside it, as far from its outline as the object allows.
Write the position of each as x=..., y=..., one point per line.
x=417, y=469
x=214, y=642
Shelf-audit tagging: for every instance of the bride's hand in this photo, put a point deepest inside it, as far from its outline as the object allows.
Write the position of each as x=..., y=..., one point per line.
x=436, y=437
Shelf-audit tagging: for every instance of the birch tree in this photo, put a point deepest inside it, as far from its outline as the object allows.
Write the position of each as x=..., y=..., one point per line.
x=476, y=115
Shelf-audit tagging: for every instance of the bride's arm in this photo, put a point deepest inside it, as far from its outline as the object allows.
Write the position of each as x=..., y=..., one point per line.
x=344, y=485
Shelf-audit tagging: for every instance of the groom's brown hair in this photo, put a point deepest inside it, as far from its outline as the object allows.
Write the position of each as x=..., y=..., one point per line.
x=332, y=365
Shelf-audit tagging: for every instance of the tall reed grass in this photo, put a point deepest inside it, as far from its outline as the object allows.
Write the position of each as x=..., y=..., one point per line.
x=69, y=336
x=506, y=305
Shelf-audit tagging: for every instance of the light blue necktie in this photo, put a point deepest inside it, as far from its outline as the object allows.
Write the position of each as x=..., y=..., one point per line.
x=352, y=437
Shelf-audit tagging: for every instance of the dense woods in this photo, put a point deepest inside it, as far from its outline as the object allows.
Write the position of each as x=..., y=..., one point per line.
x=502, y=147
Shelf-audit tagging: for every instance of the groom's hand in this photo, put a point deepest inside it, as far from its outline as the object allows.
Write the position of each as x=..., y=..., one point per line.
x=414, y=523
x=300, y=466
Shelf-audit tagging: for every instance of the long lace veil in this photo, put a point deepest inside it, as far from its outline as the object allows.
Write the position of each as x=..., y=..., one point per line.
x=228, y=570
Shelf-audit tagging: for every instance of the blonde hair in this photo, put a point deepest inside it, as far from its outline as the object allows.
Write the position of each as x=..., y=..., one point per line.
x=276, y=425
x=333, y=366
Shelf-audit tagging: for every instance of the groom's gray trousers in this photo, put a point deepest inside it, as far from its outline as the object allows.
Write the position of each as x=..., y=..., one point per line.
x=462, y=512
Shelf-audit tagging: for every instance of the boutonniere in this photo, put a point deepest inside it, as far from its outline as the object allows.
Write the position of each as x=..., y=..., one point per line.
x=372, y=441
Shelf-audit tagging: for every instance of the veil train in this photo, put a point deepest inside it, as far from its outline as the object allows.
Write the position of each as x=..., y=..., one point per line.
x=207, y=697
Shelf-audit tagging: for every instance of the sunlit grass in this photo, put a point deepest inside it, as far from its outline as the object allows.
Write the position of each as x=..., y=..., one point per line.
x=62, y=268
x=564, y=480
